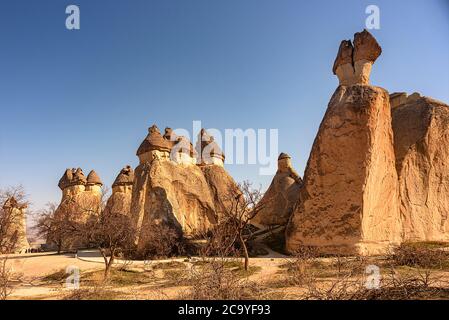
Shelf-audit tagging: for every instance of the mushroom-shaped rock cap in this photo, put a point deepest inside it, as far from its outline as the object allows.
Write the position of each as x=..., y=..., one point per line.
x=284, y=156
x=125, y=177
x=365, y=48
x=93, y=178
x=66, y=179
x=344, y=55
x=183, y=145
x=154, y=141
x=78, y=177
x=72, y=177
x=206, y=140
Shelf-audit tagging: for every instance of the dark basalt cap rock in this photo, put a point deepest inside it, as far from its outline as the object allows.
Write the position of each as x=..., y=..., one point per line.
x=206, y=140
x=125, y=177
x=93, y=179
x=154, y=141
x=283, y=156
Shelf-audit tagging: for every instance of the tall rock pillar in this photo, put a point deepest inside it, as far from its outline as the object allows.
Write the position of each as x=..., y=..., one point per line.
x=349, y=202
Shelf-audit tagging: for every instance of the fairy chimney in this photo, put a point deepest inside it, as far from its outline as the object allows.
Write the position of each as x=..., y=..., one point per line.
x=208, y=151
x=72, y=182
x=16, y=232
x=282, y=196
x=124, y=181
x=93, y=183
x=354, y=61
x=154, y=146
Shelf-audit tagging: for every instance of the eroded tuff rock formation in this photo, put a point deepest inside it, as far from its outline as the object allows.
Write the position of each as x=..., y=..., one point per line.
x=354, y=62
x=170, y=188
x=282, y=196
x=421, y=140
x=349, y=201
x=81, y=196
x=120, y=200
x=210, y=159
x=15, y=227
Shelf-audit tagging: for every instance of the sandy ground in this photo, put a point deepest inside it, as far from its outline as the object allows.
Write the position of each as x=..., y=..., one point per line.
x=32, y=268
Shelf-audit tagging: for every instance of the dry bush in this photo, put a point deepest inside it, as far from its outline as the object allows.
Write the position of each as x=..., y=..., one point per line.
x=214, y=280
x=162, y=241
x=93, y=293
x=412, y=285
x=408, y=254
x=351, y=284
x=299, y=268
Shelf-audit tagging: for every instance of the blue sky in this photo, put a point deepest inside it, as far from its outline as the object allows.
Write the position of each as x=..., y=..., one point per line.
x=85, y=98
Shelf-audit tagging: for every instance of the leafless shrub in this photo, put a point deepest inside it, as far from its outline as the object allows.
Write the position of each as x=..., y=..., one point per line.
x=299, y=268
x=351, y=284
x=97, y=292
x=162, y=241
x=215, y=281
x=408, y=254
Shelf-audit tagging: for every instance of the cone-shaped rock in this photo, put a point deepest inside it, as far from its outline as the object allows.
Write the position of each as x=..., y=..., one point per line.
x=282, y=195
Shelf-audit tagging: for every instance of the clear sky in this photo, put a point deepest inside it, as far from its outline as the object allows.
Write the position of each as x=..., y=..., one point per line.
x=85, y=98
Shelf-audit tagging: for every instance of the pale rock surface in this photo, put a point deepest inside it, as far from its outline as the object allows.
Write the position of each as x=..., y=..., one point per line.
x=421, y=134
x=223, y=188
x=282, y=195
x=349, y=201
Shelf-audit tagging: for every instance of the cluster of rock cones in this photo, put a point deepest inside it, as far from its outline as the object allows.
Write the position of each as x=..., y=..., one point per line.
x=378, y=173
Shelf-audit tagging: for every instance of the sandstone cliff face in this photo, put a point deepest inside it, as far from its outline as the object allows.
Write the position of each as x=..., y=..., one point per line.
x=16, y=231
x=349, y=201
x=282, y=195
x=421, y=137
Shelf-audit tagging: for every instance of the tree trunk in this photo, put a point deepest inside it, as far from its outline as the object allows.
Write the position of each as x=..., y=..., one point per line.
x=245, y=250
x=107, y=263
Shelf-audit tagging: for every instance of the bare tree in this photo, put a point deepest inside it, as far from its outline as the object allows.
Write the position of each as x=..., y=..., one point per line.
x=232, y=231
x=9, y=234
x=9, y=218
x=53, y=224
x=112, y=233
